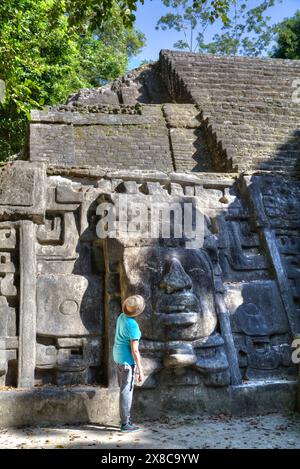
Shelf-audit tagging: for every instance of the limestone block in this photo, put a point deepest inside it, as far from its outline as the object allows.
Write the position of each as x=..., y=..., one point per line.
x=3, y=362
x=256, y=308
x=11, y=178
x=6, y=266
x=7, y=318
x=7, y=237
x=69, y=305
x=46, y=356
x=23, y=192
x=104, y=185
x=71, y=360
x=69, y=342
x=54, y=205
x=67, y=194
x=67, y=232
x=72, y=377
x=7, y=287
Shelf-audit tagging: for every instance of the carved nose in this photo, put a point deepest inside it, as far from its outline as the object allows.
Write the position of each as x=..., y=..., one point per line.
x=176, y=278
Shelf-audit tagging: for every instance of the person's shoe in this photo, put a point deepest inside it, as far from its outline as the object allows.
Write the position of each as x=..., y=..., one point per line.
x=129, y=427
x=130, y=422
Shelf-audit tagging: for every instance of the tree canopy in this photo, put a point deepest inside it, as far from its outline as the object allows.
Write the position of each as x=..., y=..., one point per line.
x=288, y=39
x=44, y=58
x=51, y=48
x=245, y=30
x=97, y=11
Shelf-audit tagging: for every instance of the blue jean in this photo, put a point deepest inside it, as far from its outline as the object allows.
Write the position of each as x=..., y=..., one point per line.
x=126, y=375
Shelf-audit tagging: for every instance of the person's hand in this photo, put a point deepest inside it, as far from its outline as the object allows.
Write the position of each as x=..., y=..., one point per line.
x=140, y=376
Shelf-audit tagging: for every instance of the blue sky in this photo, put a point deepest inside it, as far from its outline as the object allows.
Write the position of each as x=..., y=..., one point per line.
x=149, y=13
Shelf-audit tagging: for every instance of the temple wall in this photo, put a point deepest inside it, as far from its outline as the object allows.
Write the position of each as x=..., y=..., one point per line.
x=62, y=289
x=221, y=316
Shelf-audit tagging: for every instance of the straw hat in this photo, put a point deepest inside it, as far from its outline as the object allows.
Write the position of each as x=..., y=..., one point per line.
x=133, y=305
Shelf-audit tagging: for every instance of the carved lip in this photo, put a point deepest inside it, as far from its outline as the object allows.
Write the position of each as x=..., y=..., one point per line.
x=180, y=319
x=184, y=302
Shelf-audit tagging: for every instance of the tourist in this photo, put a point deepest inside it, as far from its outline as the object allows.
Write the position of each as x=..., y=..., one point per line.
x=127, y=357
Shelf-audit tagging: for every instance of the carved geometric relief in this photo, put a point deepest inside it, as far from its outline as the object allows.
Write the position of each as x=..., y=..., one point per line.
x=240, y=252
x=260, y=329
x=69, y=289
x=9, y=304
x=70, y=361
x=7, y=237
x=280, y=200
x=58, y=238
x=50, y=232
x=7, y=271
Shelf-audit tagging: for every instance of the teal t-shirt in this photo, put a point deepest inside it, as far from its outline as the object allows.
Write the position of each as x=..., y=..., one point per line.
x=127, y=329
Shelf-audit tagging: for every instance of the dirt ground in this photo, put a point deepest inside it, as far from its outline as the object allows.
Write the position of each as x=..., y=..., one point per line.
x=269, y=431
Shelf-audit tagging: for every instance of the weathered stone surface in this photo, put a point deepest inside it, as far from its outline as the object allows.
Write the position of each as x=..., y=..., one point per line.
x=220, y=317
x=69, y=305
x=22, y=193
x=12, y=178
x=143, y=85
x=103, y=139
x=28, y=307
x=61, y=405
x=256, y=308
x=250, y=118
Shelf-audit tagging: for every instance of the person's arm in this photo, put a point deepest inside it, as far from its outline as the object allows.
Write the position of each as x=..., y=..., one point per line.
x=137, y=358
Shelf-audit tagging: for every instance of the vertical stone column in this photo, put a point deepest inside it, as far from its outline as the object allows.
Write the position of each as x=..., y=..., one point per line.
x=112, y=255
x=27, y=318
x=282, y=279
x=225, y=327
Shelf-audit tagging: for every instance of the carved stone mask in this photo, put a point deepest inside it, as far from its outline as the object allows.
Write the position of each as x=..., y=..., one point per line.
x=178, y=288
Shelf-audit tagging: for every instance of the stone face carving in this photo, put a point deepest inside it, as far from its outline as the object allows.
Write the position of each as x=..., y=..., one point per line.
x=179, y=324
x=177, y=285
x=182, y=326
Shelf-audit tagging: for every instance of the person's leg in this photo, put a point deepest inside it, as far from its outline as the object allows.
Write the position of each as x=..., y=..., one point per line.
x=125, y=378
x=130, y=393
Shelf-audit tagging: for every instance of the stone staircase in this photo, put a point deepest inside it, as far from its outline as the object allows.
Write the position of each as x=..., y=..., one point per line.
x=247, y=107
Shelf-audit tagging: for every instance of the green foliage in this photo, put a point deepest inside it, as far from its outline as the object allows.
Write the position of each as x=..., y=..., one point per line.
x=288, y=39
x=245, y=31
x=95, y=13
x=187, y=16
x=44, y=58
